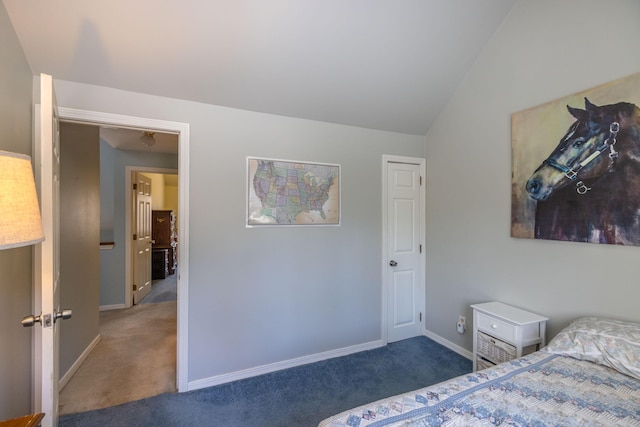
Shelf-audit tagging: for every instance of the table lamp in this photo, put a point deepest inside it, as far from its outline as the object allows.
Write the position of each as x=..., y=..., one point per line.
x=20, y=223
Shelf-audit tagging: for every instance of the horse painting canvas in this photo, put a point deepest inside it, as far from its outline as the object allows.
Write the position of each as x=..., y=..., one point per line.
x=582, y=181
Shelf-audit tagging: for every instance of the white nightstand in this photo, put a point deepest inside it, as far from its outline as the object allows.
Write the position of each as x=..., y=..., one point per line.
x=502, y=332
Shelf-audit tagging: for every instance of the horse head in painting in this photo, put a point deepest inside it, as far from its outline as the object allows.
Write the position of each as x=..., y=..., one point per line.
x=588, y=189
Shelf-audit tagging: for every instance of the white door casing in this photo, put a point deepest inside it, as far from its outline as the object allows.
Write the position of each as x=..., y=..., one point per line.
x=47, y=254
x=403, y=242
x=183, y=132
x=141, y=238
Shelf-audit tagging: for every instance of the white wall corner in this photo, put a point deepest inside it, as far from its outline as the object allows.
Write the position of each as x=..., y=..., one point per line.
x=451, y=346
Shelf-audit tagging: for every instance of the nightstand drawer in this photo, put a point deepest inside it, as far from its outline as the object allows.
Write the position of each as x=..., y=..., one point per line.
x=496, y=327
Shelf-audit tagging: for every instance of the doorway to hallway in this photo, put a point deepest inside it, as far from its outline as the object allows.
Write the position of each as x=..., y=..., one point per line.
x=182, y=132
x=155, y=337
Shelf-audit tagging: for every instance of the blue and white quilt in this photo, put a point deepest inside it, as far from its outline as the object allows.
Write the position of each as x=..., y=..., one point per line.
x=540, y=389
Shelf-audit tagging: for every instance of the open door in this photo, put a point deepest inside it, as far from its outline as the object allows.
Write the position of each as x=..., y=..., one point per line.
x=141, y=236
x=47, y=257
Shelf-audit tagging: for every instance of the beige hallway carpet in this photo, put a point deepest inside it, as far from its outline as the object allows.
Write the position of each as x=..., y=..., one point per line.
x=136, y=358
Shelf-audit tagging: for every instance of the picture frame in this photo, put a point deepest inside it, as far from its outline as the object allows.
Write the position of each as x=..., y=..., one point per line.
x=292, y=193
x=573, y=162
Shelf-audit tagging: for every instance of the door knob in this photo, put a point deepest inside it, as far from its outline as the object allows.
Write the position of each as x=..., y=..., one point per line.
x=64, y=314
x=31, y=320
x=392, y=263
x=45, y=319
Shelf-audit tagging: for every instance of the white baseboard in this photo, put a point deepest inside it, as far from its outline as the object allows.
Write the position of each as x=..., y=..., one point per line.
x=112, y=307
x=76, y=365
x=451, y=346
x=272, y=367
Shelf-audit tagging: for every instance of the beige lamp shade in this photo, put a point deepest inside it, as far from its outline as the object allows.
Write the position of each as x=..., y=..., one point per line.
x=20, y=223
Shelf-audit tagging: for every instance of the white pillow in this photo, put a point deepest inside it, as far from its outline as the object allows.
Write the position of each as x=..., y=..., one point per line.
x=613, y=343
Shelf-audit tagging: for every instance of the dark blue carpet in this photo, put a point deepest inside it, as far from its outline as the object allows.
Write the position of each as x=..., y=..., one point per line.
x=300, y=396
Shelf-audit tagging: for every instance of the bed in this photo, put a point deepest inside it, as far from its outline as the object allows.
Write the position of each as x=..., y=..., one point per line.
x=588, y=375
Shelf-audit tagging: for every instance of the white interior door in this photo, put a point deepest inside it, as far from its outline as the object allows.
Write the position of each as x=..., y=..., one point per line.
x=404, y=258
x=47, y=255
x=141, y=237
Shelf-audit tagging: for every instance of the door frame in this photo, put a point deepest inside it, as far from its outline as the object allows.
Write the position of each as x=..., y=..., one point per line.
x=182, y=131
x=422, y=163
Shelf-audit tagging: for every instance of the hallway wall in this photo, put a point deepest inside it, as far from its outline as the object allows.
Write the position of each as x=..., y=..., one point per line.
x=79, y=239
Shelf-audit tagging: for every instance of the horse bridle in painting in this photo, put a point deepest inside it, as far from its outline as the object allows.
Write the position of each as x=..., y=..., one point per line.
x=572, y=172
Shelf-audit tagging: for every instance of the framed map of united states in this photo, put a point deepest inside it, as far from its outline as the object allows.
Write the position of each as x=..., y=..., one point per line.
x=288, y=192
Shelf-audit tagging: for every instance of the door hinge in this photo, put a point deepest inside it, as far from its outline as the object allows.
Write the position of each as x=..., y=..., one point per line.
x=135, y=186
x=421, y=316
x=420, y=179
x=135, y=237
x=135, y=287
x=420, y=248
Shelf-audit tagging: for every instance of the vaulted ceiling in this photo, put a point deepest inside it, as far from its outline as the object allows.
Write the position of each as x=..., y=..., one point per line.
x=380, y=64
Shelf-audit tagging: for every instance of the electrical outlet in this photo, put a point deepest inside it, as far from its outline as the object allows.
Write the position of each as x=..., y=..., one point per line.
x=461, y=325
x=463, y=320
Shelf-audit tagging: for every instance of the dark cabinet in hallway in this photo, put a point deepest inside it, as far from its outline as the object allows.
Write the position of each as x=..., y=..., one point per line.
x=164, y=236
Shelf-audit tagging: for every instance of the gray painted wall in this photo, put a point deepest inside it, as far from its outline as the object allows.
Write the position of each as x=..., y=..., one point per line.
x=544, y=50
x=264, y=295
x=15, y=264
x=113, y=165
x=79, y=239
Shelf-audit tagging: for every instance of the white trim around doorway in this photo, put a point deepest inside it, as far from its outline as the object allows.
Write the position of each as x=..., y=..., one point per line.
x=182, y=130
